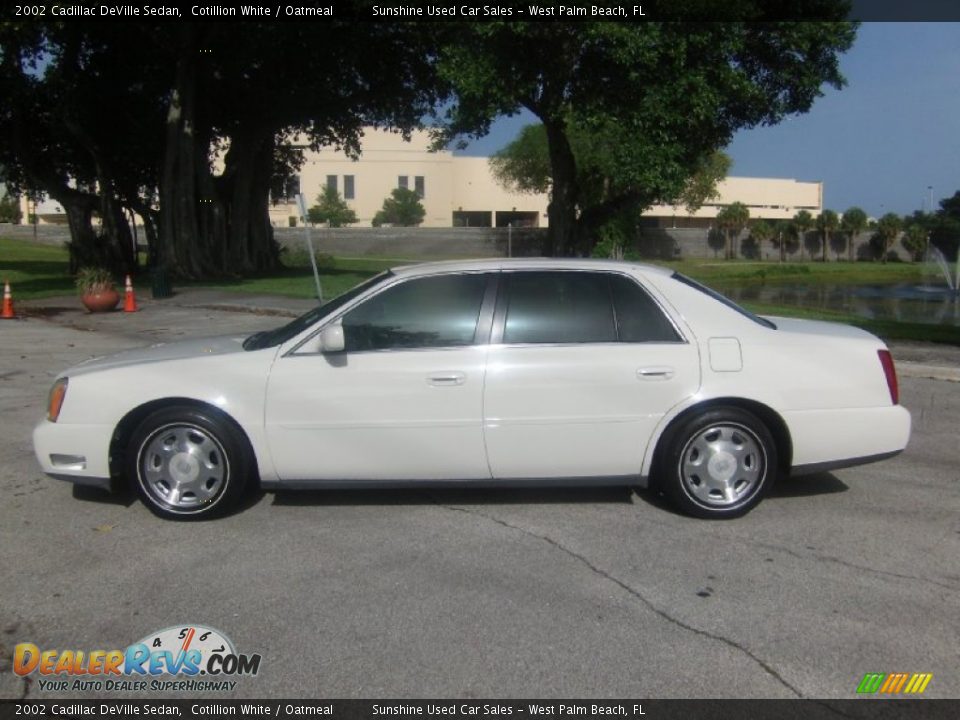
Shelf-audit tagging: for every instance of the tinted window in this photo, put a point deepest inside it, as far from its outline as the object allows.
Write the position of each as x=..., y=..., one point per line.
x=269, y=338
x=428, y=312
x=558, y=307
x=639, y=318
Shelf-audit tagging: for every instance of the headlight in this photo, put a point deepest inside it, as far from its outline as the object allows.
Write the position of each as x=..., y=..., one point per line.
x=57, y=393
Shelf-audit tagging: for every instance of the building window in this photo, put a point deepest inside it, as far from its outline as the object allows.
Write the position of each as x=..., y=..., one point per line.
x=332, y=182
x=348, y=192
x=418, y=186
x=286, y=190
x=403, y=182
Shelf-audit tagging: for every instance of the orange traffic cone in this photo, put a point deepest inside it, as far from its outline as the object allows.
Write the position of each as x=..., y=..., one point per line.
x=129, y=300
x=7, y=313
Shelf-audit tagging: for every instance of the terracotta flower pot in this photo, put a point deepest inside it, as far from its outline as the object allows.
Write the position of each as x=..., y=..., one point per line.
x=103, y=301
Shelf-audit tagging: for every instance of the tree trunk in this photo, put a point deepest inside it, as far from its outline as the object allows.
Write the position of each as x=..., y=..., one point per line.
x=179, y=249
x=562, y=209
x=245, y=198
x=83, y=240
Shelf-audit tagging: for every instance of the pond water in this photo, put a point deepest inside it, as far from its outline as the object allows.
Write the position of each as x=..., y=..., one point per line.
x=908, y=303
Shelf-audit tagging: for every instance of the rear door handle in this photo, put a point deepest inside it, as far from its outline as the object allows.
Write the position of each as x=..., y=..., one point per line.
x=660, y=372
x=445, y=379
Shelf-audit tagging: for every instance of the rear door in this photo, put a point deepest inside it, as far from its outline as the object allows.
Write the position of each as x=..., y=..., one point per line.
x=582, y=367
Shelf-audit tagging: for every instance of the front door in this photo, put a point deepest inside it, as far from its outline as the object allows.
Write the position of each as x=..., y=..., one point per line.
x=402, y=402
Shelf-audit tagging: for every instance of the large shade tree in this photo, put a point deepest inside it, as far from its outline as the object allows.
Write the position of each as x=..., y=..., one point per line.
x=523, y=166
x=670, y=93
x=188, y=124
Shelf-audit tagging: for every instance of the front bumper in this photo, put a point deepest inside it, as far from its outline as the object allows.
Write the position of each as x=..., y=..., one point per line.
x=77, y=453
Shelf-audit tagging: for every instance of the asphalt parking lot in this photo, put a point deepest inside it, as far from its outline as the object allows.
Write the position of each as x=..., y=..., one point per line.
x=488, y=593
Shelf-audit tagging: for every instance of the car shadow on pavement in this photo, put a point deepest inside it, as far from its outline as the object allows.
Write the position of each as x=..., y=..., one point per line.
x=455, y=496
x=823, y=483
x=123, y=496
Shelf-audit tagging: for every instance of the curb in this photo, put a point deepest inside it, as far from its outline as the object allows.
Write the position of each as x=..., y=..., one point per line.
x=929, y=372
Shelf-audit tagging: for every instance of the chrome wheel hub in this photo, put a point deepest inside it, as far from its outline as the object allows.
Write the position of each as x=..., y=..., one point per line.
x=182, y=466
x=722, y=465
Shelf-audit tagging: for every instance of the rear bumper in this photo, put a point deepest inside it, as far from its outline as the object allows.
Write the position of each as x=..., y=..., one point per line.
x=832, y=439
x=77, y=453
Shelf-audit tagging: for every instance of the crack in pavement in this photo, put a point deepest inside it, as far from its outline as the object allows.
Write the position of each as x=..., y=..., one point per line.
x=855, y=566
x=633, y=592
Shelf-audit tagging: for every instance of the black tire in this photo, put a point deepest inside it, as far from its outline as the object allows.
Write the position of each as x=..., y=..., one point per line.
x=189, y=463
x=718, y=464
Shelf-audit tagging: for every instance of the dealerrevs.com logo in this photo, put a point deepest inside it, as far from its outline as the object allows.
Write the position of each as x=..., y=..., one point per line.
x=189, y=658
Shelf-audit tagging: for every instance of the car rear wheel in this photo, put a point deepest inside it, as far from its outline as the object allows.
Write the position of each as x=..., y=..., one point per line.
x=188, y=463
x=719, y=463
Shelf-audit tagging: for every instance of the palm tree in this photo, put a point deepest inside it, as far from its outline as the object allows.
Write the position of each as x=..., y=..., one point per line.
x=761, y=231
x=854, y=222
x=915, y=240
x=888, y=228
x=802, y=221
x=827, y=223
x=732, y=219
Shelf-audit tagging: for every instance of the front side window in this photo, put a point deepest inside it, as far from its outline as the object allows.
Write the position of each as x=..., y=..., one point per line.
x=332, y=182
x=431, y=312
x=403, y=181
x=419, y=186
x=348, y=187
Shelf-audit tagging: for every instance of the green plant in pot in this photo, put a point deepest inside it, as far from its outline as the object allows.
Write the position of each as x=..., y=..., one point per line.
x=97, y=290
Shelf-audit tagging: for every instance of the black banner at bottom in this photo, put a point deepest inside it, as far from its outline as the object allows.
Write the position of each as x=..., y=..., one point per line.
x=886, y=709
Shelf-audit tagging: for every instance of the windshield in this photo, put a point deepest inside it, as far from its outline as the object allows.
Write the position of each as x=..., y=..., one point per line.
x=270, y=338
x=723, y=299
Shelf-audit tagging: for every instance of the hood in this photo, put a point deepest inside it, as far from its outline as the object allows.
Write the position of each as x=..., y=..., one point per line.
x=820, y=328
x=180, y=350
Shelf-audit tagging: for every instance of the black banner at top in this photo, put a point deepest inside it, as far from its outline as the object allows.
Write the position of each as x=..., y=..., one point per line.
x=490, y=10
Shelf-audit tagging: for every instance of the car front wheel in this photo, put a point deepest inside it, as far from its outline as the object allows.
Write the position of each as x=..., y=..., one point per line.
x=719, y=463
x=188, y=463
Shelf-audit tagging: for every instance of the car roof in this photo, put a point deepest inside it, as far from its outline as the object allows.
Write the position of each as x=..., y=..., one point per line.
x=540, y=263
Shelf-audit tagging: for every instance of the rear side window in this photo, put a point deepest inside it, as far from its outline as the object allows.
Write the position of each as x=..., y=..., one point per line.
x=639, y=318
x=558, y=307
x=581, y=307
x=429, y=312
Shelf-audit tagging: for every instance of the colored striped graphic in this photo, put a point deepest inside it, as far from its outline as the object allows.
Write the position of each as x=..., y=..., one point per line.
x=894, y=683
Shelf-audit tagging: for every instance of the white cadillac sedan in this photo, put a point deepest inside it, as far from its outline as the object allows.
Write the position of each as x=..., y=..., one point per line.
x=510, y=372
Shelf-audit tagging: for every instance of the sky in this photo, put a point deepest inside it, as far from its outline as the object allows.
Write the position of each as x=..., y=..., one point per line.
x=879, y=143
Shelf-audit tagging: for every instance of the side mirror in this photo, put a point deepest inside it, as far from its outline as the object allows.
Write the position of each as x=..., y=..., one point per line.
x=332, y=340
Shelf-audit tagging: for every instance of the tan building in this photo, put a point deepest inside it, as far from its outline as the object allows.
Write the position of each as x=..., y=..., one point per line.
x=454, y=191
x=458, y=191
x=461, y=191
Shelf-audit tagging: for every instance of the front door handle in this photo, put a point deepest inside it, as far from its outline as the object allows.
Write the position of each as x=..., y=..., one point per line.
x=445, y=379
x=660, y=372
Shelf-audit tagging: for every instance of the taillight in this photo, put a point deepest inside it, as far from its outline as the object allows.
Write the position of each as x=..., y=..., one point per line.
x=891, y=373
x=57, y=393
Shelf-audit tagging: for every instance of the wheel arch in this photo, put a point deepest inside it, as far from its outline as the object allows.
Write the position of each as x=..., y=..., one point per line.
x=125, y=428
x=768, y=416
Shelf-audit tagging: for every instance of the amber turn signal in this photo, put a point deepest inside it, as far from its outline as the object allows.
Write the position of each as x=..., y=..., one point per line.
x=57, y=393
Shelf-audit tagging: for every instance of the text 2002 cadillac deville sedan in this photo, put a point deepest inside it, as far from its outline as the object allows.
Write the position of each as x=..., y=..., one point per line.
x=507, y=372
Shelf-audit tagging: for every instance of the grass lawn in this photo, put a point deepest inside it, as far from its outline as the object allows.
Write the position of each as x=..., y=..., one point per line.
x=37, y=271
